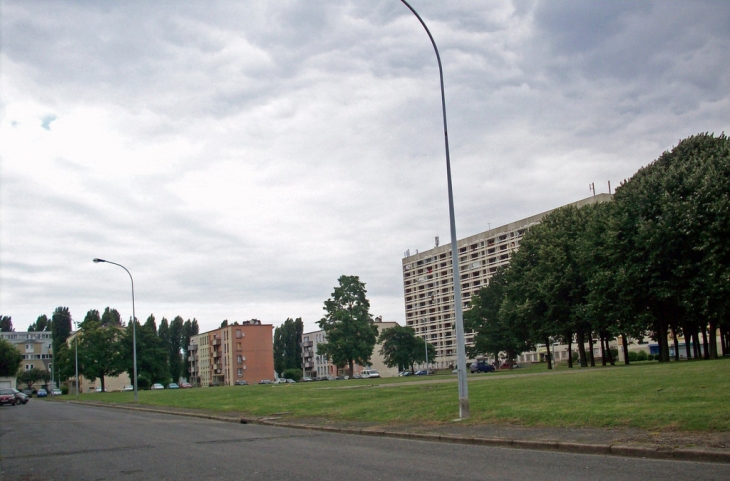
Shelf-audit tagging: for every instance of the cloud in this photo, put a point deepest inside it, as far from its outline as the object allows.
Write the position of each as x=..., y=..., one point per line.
x=238, y=157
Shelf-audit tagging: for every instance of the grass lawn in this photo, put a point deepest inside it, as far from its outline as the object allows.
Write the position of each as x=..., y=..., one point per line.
x=681, y=396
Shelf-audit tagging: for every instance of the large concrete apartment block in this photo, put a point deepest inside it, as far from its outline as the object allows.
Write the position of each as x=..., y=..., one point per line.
x=428, y=279
x=238, y=352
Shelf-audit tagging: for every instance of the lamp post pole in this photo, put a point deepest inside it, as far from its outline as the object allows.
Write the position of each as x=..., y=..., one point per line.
x=134, y=325
x=460, y=342
x=76, y=339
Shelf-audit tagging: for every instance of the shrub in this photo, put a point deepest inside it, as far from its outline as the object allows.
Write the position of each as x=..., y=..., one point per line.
x=633, y=356
x=64, y=390
x=642, y=356
x=295, y=374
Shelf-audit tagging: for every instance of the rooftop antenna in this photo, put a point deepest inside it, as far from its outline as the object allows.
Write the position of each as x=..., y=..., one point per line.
x=437, y=241
x=609, y=186
x=592, y=187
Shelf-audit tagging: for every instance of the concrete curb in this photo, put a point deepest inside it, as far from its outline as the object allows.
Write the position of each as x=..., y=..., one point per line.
x=707, y=455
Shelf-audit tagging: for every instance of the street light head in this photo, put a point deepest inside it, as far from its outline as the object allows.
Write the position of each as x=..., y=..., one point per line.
x=97, y=260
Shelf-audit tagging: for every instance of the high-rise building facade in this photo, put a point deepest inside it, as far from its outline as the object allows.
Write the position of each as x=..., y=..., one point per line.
x=428, y=280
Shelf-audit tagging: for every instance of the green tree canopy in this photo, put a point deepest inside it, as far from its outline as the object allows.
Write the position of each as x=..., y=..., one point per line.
x=60, y=326
x=111, y=317
x=32, y=376
x=99, y=349
x=348, y=325
x=10, y=359
x=6, y=324
x=287, y=345
x=401, y=348
x=41, y=324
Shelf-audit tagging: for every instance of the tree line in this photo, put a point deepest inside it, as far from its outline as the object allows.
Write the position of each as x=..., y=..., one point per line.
x=655, y=261
x=104, y=346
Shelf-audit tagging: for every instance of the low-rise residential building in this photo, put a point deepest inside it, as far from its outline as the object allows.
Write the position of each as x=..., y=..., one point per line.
x=36, y=348
x=237, y=352
x=317, y=365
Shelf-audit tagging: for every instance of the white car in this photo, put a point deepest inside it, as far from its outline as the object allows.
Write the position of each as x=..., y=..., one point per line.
x=128, y=387
x=368, y=373
x=156, y=386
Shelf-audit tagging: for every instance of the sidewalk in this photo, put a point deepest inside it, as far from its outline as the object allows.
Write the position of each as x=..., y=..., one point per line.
x=703, y=447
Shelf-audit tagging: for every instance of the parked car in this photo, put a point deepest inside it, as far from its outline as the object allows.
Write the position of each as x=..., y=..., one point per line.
x=368, y=373
x=157, y=386
x=241, y=382
x=421, y=373
x=266, y=381
x=481, y=366
x=20, y=397
x=7, y=396
x=55, y=392
x=99, y=389
x=291, y=381
x=405, y=374
x=128, y=387
x=307, y=379
x=42, y=393
x=214, y=384
x=185, y=385
x=356, y=376
x=173, y=385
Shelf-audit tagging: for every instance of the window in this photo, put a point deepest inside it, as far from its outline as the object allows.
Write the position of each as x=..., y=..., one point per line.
x=238, y=334
x=29, y=348
x=240, y=372
x=28, y=367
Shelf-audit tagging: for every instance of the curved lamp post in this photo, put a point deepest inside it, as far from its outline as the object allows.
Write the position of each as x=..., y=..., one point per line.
x=134, y=322
x=460, y=344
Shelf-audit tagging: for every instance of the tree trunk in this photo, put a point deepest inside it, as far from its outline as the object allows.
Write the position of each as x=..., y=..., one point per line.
x=570, y=353
x=676, y=343
x=705, y=344
x=602, y=339
x=581, y=340
x=351, y=365
x=549, y=354
x=713, y=339
x=590, y=347
x=687, y=340
x=625, y=343
x=696, y=342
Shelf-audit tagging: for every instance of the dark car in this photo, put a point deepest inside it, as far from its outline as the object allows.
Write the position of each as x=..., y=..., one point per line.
x=7, y=396
x=42, y=393
x=481, y=366
x=20, y=398
x=241, y=382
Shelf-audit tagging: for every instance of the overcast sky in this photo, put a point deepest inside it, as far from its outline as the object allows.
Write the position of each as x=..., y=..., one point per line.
x=238, y=157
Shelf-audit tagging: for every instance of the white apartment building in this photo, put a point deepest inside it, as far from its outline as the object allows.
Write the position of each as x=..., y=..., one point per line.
x=319, y=366
x=428, y=280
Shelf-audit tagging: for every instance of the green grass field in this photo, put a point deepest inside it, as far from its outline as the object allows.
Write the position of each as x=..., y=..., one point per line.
x=680, y=396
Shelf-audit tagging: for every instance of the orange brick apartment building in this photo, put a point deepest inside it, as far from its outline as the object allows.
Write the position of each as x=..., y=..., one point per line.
x=239, y=352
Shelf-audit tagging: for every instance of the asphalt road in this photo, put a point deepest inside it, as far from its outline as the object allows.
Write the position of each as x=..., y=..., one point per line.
x=46, y=440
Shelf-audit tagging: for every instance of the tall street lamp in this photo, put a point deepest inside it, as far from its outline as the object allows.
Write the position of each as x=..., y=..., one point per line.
x=134, y=322
x=76, y=342
x=460, y=344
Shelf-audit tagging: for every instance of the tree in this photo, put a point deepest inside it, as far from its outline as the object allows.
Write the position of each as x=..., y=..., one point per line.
x=174, y=348
x=32, y=376
x=287, y=345
x=41, y=324
x=111, y=317
x=348, y=325
x=151, y=324
x=10, y=359
x=60, y=326
x=6, y=324
x=190, y=329
x=151, y=355
x=99, y=348
x=495, y=331
x=401, y=348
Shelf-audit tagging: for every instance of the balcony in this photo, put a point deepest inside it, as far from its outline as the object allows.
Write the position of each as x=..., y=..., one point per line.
x=307, y=344
x=216, y=342
x=192, y=347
